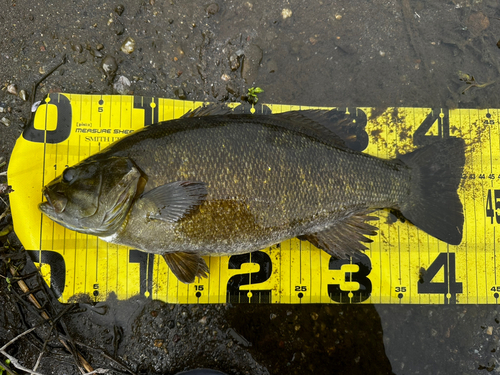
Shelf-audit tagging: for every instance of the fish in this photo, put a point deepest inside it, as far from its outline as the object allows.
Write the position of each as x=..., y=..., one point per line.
x=215, y=182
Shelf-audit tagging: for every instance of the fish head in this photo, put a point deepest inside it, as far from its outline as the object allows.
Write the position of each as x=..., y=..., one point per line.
x=94, y=196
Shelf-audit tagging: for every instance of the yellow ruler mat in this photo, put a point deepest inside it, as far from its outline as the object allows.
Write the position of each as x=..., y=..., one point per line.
x=402, y=265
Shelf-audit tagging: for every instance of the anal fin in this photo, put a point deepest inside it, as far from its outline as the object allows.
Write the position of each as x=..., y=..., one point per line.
x=186, y=266
x=346, y=237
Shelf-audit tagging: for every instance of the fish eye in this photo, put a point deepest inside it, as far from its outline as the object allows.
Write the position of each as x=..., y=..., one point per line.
x=68, y=174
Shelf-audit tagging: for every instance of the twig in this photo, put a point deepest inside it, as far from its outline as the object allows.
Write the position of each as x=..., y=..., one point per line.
x=2, y=349
x=8, y=369
x=5, y=189
x=13, y=360
x=118, y=362
x=17, y=365
x=78, y=357
x=4, y=213
x=49, y=293
x=105, y=355
x=42, y=352
x=98, y=371
x=35, y=85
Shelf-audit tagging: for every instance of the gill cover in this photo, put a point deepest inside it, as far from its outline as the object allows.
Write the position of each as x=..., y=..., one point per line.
x=93, y=196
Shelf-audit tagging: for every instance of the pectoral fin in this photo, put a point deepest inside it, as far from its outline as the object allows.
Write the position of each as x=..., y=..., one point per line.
x=345, y=238
x=171, y=202
x=186, y=266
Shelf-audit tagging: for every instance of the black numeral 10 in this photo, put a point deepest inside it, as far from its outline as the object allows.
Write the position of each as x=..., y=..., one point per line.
x=493, y=205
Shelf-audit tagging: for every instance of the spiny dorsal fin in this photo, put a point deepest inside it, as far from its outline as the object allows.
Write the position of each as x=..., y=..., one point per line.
x=299, y=122
x=208, y=110
x=341, y=123
x=186, y=266
x=344, y=238
x=329, y=126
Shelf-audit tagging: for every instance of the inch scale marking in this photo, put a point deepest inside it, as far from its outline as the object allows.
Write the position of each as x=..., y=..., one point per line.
x=402, y=266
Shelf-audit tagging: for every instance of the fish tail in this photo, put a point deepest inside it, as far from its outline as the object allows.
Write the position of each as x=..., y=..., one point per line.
x=434, y=205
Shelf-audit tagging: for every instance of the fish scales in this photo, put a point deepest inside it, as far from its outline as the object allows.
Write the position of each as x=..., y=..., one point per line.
x=264, y=184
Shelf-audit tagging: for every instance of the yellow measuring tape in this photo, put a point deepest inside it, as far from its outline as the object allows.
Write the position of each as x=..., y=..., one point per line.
x=402, y=265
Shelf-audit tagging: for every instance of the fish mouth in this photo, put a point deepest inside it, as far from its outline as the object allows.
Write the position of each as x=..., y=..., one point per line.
x=55, y=204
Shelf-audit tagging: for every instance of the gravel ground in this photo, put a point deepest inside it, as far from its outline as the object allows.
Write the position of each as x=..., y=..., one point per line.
x=326, y=53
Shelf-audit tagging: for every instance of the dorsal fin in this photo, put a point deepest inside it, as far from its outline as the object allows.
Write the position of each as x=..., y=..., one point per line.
x=208, y=110
x=331, y=127
x=298, y=121
x=350, y=128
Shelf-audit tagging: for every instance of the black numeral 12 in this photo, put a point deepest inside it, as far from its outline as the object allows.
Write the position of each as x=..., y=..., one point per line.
x=490, y=211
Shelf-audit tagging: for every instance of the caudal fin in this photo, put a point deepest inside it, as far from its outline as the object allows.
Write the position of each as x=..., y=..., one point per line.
x=434, y=205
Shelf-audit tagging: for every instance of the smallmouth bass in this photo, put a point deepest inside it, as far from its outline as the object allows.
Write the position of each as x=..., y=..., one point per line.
x=214, y=182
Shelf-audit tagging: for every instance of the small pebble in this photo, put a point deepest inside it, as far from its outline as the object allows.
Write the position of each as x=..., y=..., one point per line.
x=489, y=330
x=109, y=66
x=77, y=47
x=99, y=47
x=203, y=320
x=231, y=89
x=96, y=53
x=117, y=27
x=286, y=13
x=5, y=121
x=272, y=316
x=180, y=93
x=314, y=316
x=234, y=62
x=212, y=9
x=12, y=89
x=23, y=95
x=225, y=77
x=158, y=343
x=35, y=106
x=119, y=9
x=122, y=85
x=128, y=46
